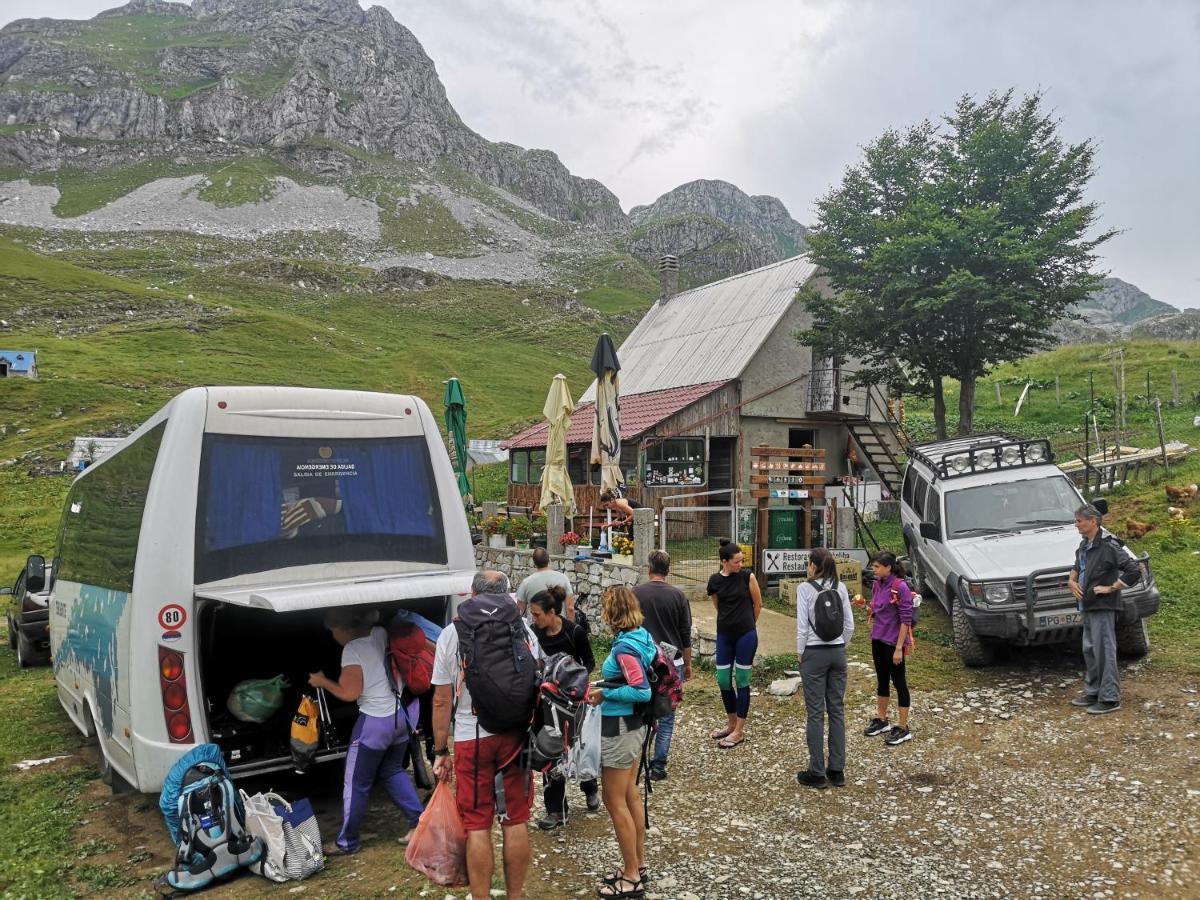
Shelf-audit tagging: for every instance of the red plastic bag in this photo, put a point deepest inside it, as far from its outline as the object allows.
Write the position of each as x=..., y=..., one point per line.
x=439, y=848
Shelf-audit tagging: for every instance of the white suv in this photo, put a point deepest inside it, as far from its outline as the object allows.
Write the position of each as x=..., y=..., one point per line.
x=989, y=527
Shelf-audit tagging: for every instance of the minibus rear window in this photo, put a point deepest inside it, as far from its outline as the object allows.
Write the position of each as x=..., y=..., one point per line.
x=271, y=503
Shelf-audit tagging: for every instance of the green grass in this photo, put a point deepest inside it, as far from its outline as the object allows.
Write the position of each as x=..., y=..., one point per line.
x=267, y=81
x=132, y=43
x=426, y=225
x=248, y=179
x=83, y=191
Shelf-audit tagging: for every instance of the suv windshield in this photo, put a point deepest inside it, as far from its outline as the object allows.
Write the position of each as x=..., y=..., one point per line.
x=269, y=503
x=1011, y=506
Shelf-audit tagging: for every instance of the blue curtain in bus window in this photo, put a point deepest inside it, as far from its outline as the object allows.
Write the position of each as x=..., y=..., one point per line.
x=389, y=492
x=244, y=495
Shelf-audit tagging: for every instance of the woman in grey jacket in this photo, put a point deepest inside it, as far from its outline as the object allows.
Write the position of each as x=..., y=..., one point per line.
x=823, y=669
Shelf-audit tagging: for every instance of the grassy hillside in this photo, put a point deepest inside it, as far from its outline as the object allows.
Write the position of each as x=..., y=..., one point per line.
x=112, y=348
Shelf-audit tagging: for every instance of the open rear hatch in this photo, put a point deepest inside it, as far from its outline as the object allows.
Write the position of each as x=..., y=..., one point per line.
x=263, y=632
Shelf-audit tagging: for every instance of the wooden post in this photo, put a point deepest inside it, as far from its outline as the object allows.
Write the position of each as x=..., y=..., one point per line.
x=999, y=400
x=1174, y=389
x=1086, y=471
x=490, y=508
x=1057, y=391
x=1149, y=402
x=1162, y=441
x=643, y=536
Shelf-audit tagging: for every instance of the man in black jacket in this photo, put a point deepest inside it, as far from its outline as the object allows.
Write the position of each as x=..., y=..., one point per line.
x=1102, y=568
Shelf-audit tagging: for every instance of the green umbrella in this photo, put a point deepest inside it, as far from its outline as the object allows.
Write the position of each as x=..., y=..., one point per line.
x=456, y=427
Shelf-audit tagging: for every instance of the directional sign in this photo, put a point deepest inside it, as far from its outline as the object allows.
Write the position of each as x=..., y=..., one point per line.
x=789, y=562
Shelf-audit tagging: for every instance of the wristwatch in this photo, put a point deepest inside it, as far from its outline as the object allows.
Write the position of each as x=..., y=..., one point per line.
x=445, y=751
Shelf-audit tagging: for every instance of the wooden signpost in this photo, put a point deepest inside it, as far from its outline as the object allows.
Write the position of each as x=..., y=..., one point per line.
x=774, y=471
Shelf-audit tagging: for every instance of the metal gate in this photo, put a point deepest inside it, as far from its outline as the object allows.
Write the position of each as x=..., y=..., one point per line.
x=690, y=534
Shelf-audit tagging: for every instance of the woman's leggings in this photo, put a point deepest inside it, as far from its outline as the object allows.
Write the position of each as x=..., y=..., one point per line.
x=886, y=670
x=735, y=655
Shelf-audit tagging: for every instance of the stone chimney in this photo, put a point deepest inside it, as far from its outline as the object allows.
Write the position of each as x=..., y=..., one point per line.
x=668, y=275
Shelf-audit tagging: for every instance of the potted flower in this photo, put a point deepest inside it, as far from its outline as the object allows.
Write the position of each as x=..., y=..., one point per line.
x=570, y=544
x=520, y=529
x=496, y=528
x=622, y=548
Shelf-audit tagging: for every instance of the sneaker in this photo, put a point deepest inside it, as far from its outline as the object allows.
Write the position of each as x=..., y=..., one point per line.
x=658, y=773
x=812, y=779
x=1100, y=707
x=877, y=726
x=593, y=802
x=897, y=736
x=549, y=823
x=836, y=777
x=1084, y=700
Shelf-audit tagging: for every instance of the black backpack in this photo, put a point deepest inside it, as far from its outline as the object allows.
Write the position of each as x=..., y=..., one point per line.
x=829, y=619
x=558, y=718
x=499, y=667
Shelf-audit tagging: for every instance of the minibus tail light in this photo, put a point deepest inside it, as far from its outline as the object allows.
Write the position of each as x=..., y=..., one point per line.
x=173, y=684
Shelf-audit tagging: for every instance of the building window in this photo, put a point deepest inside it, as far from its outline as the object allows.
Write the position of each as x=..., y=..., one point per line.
x=518, y=466
x=577, y=463
x=675, y=462
x=537, y=462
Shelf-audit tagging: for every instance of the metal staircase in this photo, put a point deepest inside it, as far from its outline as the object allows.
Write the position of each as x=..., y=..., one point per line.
x=881, y=439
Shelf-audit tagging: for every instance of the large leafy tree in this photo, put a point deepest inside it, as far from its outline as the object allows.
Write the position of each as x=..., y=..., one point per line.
x=954, y=248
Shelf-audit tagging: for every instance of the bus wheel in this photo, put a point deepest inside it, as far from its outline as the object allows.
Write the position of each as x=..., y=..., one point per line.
x=108, y=775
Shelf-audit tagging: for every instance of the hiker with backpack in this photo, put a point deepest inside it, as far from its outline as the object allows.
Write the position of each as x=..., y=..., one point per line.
x=734, y=593
x=556, y=634
x=668, y=618
x=379, y=741
x=623, y=697
x=824, y=625
x=890, y=615
x=485, y=677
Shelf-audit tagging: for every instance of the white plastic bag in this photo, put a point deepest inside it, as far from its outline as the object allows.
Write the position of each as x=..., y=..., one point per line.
x=583, y=759
x=293, y=848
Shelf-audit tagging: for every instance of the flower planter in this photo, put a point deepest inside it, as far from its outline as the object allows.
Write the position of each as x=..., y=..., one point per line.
x=497, y=541
x=521, y=545
x=570, y=551
x=622, y=559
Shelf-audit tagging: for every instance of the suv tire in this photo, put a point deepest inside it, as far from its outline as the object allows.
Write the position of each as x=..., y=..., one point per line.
x=1133, y=639
x=970, y=647
x=26, y=653
x=917, y=570
x=12, y=633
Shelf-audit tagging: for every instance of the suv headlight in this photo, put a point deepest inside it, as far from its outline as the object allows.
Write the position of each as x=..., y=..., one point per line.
x=997, y=592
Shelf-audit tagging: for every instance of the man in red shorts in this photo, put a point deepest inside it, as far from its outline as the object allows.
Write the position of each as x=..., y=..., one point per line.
x=480, y=754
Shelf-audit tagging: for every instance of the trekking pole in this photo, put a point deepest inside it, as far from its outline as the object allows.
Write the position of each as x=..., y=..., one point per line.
x=327, y=735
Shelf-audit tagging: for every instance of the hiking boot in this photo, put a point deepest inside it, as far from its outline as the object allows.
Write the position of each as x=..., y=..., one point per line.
x=897, y=736
x=1100, y=707
x=658, y=773
x=812, y=779
x=593, y=802
x=877, y=726
x=549, y=823
x=1084, y=700
x=837, y=777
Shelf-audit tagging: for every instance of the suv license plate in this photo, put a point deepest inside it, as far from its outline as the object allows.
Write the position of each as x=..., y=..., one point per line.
x=1059, y=620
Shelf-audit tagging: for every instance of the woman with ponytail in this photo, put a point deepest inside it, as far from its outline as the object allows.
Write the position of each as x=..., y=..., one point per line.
x=736, y=597
x=891, y=617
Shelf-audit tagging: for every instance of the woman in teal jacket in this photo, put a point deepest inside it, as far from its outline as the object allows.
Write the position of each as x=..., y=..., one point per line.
x=622, y=734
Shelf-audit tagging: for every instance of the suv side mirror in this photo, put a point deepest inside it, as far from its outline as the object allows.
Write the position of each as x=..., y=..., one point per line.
x=930, y=532
x=35, y=573
x=1101, y=505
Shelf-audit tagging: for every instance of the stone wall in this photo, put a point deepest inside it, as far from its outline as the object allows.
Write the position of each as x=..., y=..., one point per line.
x=589, y=577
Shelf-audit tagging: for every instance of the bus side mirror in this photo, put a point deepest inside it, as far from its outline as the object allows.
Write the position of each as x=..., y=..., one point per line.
x=930, y=532
x=35, y=573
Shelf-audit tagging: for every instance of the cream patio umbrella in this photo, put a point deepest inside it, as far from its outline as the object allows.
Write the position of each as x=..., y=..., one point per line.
x=556, y=483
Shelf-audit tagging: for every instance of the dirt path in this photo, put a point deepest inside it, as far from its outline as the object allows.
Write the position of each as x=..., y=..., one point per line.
x=1007, y=791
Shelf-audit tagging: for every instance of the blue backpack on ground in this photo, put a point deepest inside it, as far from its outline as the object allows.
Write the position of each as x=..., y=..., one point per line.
x=212, y=841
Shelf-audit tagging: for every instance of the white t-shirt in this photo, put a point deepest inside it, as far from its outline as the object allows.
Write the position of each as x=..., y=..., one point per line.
x=447, y=669
x=370, y=653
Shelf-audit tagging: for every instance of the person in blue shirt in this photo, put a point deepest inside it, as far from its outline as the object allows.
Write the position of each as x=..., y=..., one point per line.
x=625, y=691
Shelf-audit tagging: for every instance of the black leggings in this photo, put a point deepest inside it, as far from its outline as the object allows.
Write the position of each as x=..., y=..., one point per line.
x=886, y=670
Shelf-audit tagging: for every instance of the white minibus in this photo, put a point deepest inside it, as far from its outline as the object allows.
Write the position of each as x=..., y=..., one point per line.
x=204, y=550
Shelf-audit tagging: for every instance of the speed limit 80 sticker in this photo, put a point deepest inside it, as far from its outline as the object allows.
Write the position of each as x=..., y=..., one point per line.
x=172, y=616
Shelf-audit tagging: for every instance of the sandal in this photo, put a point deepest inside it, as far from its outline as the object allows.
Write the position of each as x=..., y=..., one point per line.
x=726, y=744
x=720, y=733
x=618, y=891
x=618, y=874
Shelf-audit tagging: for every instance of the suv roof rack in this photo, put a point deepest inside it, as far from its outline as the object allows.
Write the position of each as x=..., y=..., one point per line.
x=977, y=453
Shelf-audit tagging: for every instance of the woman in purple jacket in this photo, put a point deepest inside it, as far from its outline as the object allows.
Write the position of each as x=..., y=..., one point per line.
x=890, y=615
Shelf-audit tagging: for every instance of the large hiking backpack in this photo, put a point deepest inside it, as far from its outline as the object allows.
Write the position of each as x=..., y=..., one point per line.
x=666, y=687
x=559, y=711
x=499, y=668
x=410, y=657
x=829, y=619
x=213, y=840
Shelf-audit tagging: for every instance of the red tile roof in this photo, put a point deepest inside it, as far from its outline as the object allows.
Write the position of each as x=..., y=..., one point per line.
x=639, y=413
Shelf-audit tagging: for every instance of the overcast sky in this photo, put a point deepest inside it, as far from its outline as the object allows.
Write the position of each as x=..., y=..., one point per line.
x=777, y=96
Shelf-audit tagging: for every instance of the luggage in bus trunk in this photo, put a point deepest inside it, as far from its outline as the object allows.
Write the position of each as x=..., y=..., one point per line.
x=239, y=643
